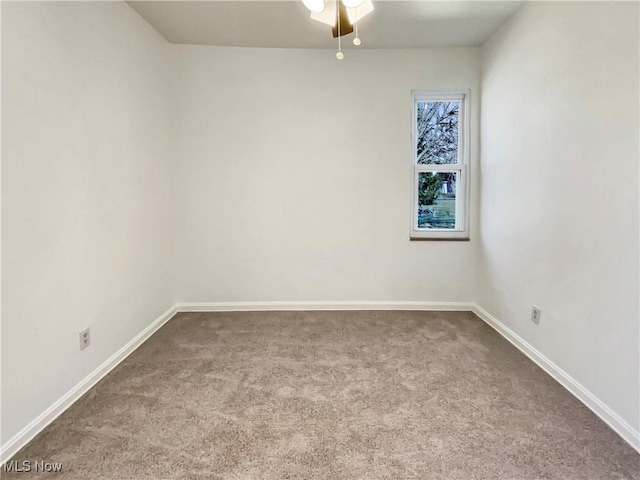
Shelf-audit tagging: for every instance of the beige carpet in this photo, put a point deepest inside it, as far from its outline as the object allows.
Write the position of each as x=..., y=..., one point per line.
x=330, y=395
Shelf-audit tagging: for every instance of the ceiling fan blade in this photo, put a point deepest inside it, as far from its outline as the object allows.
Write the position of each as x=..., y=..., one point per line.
x=345, y=27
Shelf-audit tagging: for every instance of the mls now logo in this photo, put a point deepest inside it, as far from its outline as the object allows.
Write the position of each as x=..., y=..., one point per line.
x=29, y=466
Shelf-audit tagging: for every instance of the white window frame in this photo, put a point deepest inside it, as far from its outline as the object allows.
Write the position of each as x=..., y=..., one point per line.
x=461, y=230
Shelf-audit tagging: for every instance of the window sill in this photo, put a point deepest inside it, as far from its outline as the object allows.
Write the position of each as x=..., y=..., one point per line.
x=439, y=239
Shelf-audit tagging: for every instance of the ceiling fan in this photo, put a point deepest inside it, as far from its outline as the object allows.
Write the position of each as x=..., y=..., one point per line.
x=341, y=16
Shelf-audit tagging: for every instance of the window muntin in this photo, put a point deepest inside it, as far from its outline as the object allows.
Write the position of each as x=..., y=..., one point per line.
x=439, y=160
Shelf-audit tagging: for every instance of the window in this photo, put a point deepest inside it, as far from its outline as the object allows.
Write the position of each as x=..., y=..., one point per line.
x=440, y=166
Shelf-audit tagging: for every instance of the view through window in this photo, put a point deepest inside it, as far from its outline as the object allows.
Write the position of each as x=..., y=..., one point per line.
x=439, y=166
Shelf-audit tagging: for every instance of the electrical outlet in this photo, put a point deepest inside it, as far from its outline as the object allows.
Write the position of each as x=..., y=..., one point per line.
x=85, y=339
x=535, y=315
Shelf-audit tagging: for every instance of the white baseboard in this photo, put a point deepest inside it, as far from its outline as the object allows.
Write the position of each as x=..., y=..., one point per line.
x=25, y=435
x=628, y=433
x=620, y=426
x=322, y=305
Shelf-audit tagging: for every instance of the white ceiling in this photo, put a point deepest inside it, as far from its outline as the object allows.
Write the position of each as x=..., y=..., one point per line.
x=286, y=24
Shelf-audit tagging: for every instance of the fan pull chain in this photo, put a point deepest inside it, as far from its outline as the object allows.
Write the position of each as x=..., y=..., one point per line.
x=339, y=55
x=356, y=41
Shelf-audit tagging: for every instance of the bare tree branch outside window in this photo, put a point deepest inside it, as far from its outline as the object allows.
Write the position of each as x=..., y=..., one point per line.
x=437, y=132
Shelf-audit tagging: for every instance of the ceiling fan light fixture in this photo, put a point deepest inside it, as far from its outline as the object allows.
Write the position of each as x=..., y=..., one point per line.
x=352, y=3
x=356, y=14
x=327, y=15
x=316, y=6
x=341, y=15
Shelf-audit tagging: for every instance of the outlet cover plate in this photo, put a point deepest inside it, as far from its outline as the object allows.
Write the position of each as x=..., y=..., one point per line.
x=535, y=315
x=85, y=338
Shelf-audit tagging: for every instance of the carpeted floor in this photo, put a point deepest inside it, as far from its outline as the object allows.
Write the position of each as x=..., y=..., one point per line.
x=329, y=395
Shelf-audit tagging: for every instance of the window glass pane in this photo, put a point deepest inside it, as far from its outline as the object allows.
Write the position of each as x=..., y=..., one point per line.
x=437, y=135
x=437, y=199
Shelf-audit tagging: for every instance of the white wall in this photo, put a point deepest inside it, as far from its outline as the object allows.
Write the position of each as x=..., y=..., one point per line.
x=293, y=175
x=559, y=190
x=85, y=194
